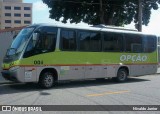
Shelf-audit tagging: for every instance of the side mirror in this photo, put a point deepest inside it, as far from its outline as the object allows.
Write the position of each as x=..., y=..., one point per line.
x=35, y=38
x=11, y=51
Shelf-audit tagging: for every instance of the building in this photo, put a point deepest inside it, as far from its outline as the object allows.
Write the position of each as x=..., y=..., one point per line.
x=15, y=13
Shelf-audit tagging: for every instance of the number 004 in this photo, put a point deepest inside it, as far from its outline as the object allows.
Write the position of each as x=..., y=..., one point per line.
x=38, y=62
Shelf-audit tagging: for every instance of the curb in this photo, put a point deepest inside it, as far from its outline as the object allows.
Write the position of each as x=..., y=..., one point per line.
x=6, y=82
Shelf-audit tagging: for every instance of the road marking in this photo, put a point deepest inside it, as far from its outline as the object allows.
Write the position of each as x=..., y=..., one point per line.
x=107, y=93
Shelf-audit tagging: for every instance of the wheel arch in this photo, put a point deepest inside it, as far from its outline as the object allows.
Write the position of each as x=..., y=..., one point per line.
x=126, y=68
x=53, y=70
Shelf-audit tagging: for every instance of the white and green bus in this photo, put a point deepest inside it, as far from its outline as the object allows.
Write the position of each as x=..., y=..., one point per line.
x=47, y=54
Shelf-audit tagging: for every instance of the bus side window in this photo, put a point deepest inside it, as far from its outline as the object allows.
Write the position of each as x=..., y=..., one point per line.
x=159, y=40
x=46, y=43
x=113, y=42
x=149, y=43
x=89, y=41
x=68, y=40
x=30, y=50
x=84, y=40
x=133, y=43
x=95, y=42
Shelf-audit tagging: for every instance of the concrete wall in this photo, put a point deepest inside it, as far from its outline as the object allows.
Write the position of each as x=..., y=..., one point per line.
x=6, y=37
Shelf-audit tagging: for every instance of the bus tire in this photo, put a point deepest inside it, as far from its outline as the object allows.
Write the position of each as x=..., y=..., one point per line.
x=47, y=80
x=122, y=75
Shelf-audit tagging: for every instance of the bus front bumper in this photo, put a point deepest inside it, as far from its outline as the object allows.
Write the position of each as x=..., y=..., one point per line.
x=11, y=75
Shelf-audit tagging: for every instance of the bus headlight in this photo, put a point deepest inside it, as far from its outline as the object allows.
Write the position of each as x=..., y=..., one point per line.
x=14, y=68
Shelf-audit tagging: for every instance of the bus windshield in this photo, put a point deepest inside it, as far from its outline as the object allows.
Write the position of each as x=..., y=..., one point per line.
x=20, y=41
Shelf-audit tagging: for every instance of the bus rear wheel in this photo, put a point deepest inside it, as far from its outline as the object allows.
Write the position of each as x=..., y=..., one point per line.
x=122, y=75
x=47, y=80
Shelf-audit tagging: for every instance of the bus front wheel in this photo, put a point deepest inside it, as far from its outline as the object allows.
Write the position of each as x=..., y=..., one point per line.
x=122, y=75
x=47, y=80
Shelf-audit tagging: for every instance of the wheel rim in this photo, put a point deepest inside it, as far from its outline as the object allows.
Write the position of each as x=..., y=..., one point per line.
x=48, y=80
x=122, y=75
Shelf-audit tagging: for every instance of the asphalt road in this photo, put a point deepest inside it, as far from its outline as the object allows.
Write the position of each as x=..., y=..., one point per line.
x=1, y=78
x=143, y=90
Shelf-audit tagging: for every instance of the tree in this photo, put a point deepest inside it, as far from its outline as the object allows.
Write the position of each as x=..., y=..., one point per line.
x=109, y=12
x=140, y=9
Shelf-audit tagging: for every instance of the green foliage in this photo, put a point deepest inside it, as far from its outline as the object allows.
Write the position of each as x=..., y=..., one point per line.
x=116, y=12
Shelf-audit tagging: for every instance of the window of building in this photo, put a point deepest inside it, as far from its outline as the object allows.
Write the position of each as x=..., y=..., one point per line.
x=27, y=8
x=7, y=21
x=17, y=15
x=89, y=41
x=7, y=7
x=27, y=15
x=68, y=40
x=27, y=22
x=7, y=27
x=17, y=8
x=8, y=14
x=17, y=21
x=113, y=42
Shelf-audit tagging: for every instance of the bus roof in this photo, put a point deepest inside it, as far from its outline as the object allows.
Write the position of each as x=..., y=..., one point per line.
x=114, y=27
x=95, y=28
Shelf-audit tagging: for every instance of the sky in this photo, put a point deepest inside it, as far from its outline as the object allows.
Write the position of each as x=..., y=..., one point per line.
x=41, y=15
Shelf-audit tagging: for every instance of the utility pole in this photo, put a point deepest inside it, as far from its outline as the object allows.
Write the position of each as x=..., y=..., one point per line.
x=101, y=12
x=140, y=15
